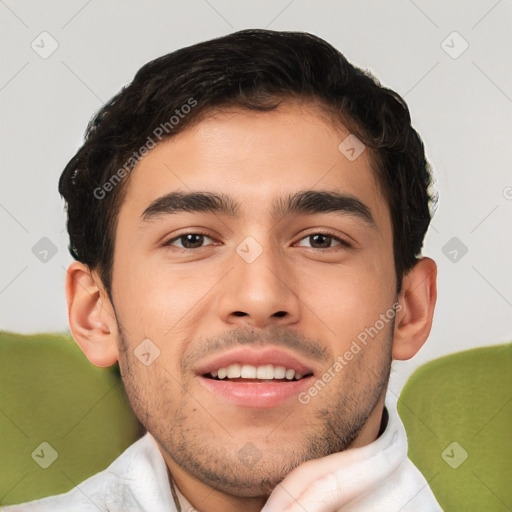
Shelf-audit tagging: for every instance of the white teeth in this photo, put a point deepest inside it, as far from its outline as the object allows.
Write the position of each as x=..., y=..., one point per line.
x=233, y=371
x=289, y=374
x=248, y=371
x=265, y=372
x=279, y=372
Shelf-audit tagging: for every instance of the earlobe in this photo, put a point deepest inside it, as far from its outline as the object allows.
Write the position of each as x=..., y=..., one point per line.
x=91, y=316
x=417, y=299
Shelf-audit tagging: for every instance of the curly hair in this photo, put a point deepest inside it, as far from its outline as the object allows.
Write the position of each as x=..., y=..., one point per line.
x=254, y=69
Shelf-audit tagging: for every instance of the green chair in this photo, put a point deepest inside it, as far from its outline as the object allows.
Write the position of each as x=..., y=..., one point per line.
x=61, y=418
x=457, y=411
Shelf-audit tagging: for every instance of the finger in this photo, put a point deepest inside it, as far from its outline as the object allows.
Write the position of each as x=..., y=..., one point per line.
x=308, y=483
x=323, y=496
x=304, y=475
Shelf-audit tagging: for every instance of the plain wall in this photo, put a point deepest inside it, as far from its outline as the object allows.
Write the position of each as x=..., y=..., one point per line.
x=461, y=104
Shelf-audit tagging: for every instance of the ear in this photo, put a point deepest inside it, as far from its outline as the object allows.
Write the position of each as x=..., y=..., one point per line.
x=91, y=316
x=417, y=300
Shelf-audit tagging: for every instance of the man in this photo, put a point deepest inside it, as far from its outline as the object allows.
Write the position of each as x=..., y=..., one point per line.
x=247, y=218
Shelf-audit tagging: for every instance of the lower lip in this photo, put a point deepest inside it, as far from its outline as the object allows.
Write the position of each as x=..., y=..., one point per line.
x=256, y=394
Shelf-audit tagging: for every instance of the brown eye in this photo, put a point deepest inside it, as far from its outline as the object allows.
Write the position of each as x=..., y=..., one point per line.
x=188, y=241
x=320, y=241
x=323, y=241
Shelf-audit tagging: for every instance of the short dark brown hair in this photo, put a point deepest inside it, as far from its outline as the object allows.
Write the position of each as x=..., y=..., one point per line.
x=253, y=69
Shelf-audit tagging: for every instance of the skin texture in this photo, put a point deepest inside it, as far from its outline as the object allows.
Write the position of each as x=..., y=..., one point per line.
x=311, y=300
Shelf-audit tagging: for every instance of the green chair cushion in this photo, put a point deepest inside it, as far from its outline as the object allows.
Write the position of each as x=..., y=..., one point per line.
x=62, y=419
x=457, y=411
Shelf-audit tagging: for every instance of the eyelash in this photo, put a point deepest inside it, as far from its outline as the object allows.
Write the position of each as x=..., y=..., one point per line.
x=342, y=242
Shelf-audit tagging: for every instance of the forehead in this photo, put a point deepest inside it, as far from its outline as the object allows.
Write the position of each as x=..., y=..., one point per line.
x=257, y=158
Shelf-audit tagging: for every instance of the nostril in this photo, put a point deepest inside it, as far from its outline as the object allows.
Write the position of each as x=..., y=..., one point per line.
x=280, y=314
x=239, y=313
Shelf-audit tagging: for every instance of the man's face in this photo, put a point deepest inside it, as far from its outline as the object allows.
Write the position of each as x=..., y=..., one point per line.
x=282, y=286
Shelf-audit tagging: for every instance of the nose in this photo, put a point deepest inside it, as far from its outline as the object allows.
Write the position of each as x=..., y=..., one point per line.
x=259, y=292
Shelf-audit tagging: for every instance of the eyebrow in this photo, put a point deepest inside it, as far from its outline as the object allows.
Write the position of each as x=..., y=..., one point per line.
x=307, y=202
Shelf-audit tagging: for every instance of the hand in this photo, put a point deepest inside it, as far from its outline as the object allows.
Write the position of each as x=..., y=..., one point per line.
x=330, y=483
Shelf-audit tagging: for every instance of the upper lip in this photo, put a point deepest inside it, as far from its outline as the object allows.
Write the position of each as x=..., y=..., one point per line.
x=244, y=355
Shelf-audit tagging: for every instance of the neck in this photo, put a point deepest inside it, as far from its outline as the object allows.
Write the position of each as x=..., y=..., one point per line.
x=207, y=499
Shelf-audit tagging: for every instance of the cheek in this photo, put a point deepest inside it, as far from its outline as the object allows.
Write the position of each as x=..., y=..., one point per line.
x=347, y=298
x=154, y=296
x=140, y=381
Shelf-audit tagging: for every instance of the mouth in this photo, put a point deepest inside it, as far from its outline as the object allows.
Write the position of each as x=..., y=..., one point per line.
x=250, y=373
x=258, y=379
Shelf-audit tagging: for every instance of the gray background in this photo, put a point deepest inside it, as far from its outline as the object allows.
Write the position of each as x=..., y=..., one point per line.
x=460, y=99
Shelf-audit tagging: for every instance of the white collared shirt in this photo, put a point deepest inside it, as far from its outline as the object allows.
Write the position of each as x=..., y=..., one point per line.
x=387, y=481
